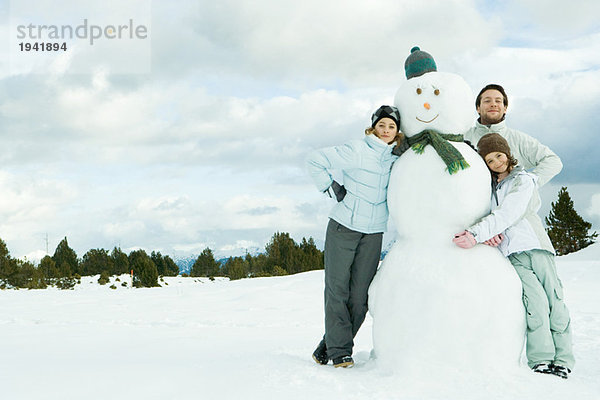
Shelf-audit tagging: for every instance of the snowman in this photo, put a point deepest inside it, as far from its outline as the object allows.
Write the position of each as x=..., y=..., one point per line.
x=435, y=305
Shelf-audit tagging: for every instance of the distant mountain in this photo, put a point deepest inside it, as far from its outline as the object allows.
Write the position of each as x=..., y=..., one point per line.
x=185, y=263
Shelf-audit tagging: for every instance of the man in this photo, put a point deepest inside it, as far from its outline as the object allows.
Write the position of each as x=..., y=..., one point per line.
x=491, y=104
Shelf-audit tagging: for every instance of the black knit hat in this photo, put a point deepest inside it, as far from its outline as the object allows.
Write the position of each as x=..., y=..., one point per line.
x=418, y=63
x=492, y=142
x=386, y=112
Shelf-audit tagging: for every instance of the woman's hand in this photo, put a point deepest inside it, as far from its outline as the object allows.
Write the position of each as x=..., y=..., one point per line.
x=337, y=190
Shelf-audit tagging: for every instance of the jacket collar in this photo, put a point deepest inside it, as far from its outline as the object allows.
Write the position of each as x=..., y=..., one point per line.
x=498, y=128
x=516, y=171
x=377, y=144
x=496, y=185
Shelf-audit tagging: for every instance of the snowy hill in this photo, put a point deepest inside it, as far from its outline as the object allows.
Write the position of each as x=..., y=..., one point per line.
x=247, y=339
x=590, y=253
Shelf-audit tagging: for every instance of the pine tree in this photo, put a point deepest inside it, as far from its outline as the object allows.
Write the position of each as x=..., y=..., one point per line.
x=65, y=259
x=25, y=275
x=258, y=265
x=236, y=268
x=567, y=230
x=4, y=253
x=18, y=273
x=164, y=264
x=96, y=261
x=144, y=270
x=103, y=279
x=312, y=257
x=157, y=259
x=171, y=269
x=4, y=263
x=283, y=251
x=48, y=267
x=8, y=267
x=120, y=262
x=205, y=264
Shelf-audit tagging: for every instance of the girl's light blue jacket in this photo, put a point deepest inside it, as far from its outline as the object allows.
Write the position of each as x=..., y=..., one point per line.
x=366, y=166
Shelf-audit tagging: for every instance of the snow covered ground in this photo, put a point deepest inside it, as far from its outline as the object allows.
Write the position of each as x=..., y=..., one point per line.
x=248, y=339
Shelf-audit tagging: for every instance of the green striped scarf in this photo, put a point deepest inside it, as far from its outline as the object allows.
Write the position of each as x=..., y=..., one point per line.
x=451, y=157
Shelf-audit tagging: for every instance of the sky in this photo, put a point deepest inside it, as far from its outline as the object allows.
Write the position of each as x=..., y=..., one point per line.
x=195, y=135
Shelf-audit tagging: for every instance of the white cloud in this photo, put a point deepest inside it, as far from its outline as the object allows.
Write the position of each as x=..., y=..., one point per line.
x=35, y=199
x=594, y=208
x=573, y=17
x=239, y=245
x=302, y=43
x=30, y=207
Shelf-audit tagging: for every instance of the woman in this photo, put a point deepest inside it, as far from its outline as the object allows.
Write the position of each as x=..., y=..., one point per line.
x=355, y=230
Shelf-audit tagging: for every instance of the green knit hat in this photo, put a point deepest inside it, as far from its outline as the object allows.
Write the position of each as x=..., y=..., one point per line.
x=418, y=63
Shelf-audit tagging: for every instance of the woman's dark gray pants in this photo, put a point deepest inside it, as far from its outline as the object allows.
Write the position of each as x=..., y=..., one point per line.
x=351, y=260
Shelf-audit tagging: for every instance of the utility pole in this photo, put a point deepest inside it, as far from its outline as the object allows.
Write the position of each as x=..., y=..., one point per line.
x=47, y=243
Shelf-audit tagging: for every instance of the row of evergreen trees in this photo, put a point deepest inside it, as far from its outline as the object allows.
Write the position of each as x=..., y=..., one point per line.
x=64, y=269
x=283, y=256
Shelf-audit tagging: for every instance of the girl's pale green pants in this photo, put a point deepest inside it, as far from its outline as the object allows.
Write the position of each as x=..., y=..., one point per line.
x=548, y=321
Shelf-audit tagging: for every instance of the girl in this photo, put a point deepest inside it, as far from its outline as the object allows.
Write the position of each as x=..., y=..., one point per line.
x=515, y=202
x=356, y=226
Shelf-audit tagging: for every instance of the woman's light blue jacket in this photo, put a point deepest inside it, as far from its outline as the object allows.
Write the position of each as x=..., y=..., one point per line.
x=366, y=166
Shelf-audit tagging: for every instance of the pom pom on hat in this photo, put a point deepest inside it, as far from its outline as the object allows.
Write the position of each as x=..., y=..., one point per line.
x=418, y=63
x=492, y=142
x=386, y=112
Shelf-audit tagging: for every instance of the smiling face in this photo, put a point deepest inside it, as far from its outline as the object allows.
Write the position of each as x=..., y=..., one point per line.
x=497, y=162
x=386, y=130
x=492, y=108
x=436, y=100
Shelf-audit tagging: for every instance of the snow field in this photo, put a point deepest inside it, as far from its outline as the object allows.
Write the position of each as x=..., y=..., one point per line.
x=251, y=339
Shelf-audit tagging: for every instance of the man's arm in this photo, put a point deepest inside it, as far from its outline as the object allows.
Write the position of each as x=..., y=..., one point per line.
x=545, y=163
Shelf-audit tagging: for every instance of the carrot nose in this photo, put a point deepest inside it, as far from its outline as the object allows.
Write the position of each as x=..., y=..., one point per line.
x=427, y=106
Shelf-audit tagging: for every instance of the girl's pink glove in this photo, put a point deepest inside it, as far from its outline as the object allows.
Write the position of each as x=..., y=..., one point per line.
x=495, y=241
x=464, y=239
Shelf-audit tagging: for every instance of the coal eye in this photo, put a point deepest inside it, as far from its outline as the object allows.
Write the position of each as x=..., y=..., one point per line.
x=419, y=91
x=436, y=92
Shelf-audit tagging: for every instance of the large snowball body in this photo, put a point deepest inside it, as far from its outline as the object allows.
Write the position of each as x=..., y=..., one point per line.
x=433, y=303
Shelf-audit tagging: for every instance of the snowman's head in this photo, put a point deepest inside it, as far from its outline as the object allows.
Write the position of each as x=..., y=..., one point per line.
x=438, y=101
x=433, y=100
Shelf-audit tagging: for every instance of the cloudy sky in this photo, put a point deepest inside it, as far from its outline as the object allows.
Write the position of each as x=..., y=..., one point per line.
x=195, y=135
